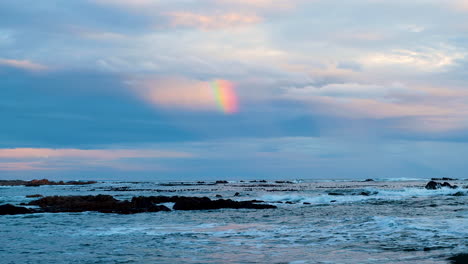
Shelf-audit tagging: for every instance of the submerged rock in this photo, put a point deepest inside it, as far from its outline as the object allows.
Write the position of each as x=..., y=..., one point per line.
x=205, y=203
x=9, y=209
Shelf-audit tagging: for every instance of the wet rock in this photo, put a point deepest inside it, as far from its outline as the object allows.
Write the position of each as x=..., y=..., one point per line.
x=306, y=203
x=335, y=193
x=221, y=182
x=236, y=194
x=219, y=196
x=9, y=209
x=366, y=193
x=289, y=202
x=35, y=183
x=204, y=203
x=433, y=185
x=282, y=182
x=333, y=201
x=458, y=194
x=459, y=259
x=368, y=180
x=34, y=196
x=98, y=203
x=443, y=179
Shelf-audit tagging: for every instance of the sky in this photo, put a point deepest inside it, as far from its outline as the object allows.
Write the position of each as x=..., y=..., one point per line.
x=233, y=89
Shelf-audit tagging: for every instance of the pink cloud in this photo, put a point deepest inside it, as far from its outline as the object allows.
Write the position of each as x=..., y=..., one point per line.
x=178, y=93
x=25, y=153
x=23, y=64
x=37, y=159
x=23, y=166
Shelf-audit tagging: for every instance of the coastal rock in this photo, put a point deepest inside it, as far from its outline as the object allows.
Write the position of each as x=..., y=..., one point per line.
x=433, y=185
x=99, y=203
x=9, y=209
x=443, y=179
x=34, y=196
x=35, y=183
x=205, y=203
x=459, y=259
x=221, y=182
x=335, y=193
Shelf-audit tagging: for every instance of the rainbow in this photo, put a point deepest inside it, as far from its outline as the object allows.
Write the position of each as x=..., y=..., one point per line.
x=225, y=96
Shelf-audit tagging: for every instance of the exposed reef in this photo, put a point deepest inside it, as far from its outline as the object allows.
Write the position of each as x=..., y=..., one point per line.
x=34, y=183
x=140, y=204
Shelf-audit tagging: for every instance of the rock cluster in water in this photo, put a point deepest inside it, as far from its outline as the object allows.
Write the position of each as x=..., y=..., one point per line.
x=141, y=204
x=433, y=185
x=34, y=183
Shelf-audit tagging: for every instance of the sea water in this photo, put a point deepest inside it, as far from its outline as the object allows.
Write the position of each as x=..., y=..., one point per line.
x=382, y=221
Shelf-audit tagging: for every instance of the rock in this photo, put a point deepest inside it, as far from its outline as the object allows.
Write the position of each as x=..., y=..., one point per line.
x=335, y=193
x=99, y=203
x=333, y=201
x=204, y=203
x=458, y=194
x=281, y=182
x=433, y=185
x=459, y=259
x=289, y=202
x=35, y=183
x=306, y=203
x=446, y=184
x=34, y=196
x=219, y=196
x=221, y=182
x=443, y=179
x=366, y=193
x=9, y=209
x=236, y=194
x=368, y=180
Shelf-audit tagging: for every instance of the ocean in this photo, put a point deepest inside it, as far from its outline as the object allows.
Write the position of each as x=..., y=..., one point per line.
x=317, y=221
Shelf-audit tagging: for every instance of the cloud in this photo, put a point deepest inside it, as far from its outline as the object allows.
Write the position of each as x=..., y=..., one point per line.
x=102, y=154
x=36, y=159
x=206, y=22
x=23, y=166
x=428, y=59
x=23, y=64
x=178, y=93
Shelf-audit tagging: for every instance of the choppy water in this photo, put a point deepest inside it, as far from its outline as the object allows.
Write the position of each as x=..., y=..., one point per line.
x=398, y=222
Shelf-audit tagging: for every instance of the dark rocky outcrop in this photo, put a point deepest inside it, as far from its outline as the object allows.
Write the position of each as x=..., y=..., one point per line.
x=335, y=193
x=34, y=183
x=205, y=203
x=98, y=203
x=9, y=209
x=140, y=204
x=433, y=185
x=221, y=182
x=34, y=196
x=459, y=259
x=368, y=180
x=443, y=179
